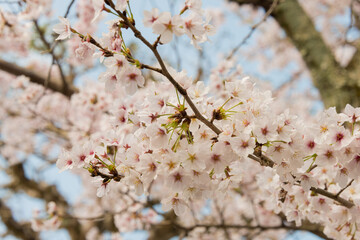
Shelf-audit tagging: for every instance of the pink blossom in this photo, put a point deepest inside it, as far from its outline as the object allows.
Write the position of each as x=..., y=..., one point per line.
x=133, y=79
x=150, y=17
x=121, y=5
x=166, y=26
x=85, y=51
x=63, y=29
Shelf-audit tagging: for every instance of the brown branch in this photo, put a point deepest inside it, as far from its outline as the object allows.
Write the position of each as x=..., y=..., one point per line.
x=335, y=197
x=144, y=66
x=68, y=8
x=263, y=160
x=55, y=59
x=20, y=230
x=114, y=174
x=109, y=53
x=287, y=226
x=337, y=86
x=34, y=77
x=43, y=191
x=156, y=41
x=97, y=218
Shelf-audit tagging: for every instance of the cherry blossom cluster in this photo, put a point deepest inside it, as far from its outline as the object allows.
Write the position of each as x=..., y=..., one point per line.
x=193, y=25
x=226, y=147
x=156, y=138
x=158, y=141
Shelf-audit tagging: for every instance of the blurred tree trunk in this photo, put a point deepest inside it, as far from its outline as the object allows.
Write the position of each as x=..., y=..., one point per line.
x=337, y=85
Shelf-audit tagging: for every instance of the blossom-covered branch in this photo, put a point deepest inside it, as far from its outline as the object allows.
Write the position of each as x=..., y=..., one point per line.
x=164, y=71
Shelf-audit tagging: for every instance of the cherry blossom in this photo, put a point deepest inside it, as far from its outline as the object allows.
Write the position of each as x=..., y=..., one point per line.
x=166, y=26
x=63, y=29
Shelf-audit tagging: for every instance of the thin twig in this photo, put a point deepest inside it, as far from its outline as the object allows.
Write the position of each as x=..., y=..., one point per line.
x=55, y=59
x=97, y=218
x=12, y=68
x=156, y=42
x=68, y=8
x=253, y=28
x=343, y=189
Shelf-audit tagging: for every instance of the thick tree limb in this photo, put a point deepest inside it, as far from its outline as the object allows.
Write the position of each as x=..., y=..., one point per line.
x=20, y=230
x=336, y=85
x=166, y=229
x=34, y=77
x=170, y=228
x=43, y=191
x=353, y=67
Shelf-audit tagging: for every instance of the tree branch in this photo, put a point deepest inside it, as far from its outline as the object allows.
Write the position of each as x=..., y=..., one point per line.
x=34, y=77
x=337, y=87
x=335, y=197
x=20, y=230
x=43, y=191
x=313, y=228
x=50, y=50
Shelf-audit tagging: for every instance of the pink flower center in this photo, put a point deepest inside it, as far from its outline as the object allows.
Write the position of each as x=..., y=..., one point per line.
x=264, y=131
x=122, y=119
x=152, y=167
x=339, y=137
x=177, y=177
x=278, y=148
x=344, y=171
x=328, y=154
x=215, y=158
x=132, y=76
x=161, y=132
x=120, y=63
x=153, y=19
x=161, y=103
x=245, y=122
x=188, y=24
x=311, y=144
x=354, y=118
x=169, y=26
x=153, y=117
x=174, y=201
